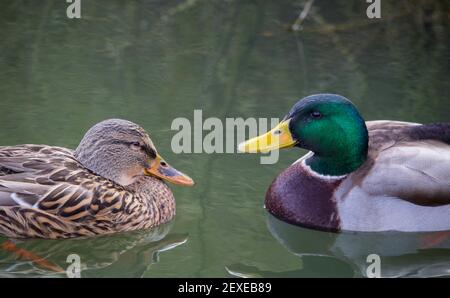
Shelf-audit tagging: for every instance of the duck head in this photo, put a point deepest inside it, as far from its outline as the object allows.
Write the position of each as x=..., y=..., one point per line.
x=329, y=125
x=123, y=152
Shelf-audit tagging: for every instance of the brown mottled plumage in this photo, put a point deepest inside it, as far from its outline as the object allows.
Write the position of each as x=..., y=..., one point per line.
x=47, y=192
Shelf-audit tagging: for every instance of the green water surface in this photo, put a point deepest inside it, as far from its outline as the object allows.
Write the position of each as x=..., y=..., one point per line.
x=153, y=61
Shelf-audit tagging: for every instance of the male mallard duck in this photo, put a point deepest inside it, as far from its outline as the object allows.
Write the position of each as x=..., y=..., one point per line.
x=359, y=176
x=111, y=183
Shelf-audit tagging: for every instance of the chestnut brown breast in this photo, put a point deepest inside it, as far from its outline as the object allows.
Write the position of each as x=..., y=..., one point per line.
x=300, y=198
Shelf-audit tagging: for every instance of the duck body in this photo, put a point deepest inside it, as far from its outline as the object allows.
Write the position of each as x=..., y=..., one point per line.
x=360, y=176
x=404, y=185
x=47, y=192
x=53, y=196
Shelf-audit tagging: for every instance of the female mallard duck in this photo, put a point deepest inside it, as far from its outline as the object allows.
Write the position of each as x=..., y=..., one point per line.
x=111, y=183
x=359, y=176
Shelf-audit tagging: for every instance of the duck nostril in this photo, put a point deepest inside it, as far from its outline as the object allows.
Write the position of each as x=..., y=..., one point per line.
x=164, y=164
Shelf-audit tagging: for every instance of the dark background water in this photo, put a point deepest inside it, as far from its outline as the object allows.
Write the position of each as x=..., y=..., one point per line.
x=153, y=61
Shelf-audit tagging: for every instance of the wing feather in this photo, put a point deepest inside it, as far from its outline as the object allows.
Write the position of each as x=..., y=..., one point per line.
x=51, y=180
x=415, y=170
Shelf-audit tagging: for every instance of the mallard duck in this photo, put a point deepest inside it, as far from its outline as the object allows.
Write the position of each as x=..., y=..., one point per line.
x=112, y=182
x=358, y=176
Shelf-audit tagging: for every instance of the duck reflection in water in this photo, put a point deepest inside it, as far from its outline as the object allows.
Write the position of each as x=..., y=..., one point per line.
x=326, y=254
x=119, y=255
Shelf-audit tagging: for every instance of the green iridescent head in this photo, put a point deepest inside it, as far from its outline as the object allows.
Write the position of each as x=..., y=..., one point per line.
x=328, y=125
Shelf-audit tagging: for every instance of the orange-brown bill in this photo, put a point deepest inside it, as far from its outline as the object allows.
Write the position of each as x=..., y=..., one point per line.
x=159, y=168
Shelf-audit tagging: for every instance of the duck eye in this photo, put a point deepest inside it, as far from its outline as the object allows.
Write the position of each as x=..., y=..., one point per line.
x=135, y=145
x=316, y=114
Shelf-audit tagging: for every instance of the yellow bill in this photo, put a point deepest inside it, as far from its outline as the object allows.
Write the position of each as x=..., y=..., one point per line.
x=277, y=138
